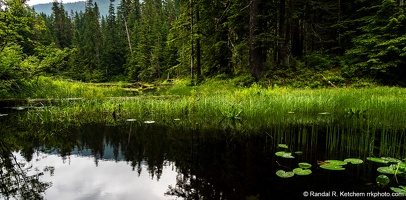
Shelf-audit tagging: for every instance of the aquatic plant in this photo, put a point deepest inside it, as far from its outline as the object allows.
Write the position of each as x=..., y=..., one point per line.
x=382, y=180
x=354, y=161
x=284, y=174
x=338, y=164
x=303, y=169
x=401, y=189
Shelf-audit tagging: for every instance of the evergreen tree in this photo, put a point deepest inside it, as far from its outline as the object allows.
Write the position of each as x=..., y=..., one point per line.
x=61, y=26
x=149, y=37
x=113, y=54
x=91, y=49
x=379, y=50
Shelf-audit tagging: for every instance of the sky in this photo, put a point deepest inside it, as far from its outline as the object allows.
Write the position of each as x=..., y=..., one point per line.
x=35, y=2
x=78, y=177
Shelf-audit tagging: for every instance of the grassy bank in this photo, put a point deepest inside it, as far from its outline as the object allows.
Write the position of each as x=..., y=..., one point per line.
x=46, y=87
x=219, y=103
x=349, y=119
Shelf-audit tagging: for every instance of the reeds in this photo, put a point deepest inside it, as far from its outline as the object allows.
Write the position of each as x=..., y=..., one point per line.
x=252, y=109
x=350, y=119
x=45, y=87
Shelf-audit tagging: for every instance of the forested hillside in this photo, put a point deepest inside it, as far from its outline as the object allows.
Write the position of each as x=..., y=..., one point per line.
x=78, y=6
x=297, y=42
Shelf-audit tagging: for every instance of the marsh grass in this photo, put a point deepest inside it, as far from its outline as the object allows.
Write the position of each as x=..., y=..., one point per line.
x=46, y=87
x=221, y=105
x=359, y=117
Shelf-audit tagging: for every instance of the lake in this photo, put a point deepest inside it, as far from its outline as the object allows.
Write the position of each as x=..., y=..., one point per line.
x=146, y=160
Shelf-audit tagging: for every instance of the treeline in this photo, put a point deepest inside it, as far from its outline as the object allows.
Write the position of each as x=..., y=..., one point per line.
x=152, y=39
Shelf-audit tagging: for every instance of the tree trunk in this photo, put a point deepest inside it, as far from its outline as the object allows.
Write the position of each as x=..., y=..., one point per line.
x=191, y=41
x=256, y=60
x=198, y=55
x=281, y=29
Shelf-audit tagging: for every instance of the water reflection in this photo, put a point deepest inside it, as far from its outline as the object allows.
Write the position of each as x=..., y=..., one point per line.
x=148, y=161
x=18, y=180
x=76, y=177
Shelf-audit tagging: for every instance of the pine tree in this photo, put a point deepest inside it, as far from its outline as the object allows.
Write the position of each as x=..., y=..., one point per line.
x=113, y=54
x=91, y=46
x=379, y=49
x=61, y=27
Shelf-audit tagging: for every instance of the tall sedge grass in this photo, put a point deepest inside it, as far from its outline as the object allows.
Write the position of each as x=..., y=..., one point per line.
x=349, y=122
x=257, y=108
x=46, y=87
x=351, y=119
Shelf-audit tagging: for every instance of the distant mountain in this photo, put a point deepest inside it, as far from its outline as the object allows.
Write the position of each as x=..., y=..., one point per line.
x=76, y=7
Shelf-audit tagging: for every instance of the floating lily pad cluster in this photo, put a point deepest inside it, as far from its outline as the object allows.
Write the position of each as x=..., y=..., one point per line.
x=395, y=167
x=286, y=154
x=302, y=170
x=338, y=164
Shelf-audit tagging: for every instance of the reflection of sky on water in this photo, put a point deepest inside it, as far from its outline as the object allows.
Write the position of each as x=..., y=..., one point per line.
x=79, y=178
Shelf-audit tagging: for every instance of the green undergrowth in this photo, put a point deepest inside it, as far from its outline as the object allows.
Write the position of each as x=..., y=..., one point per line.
x=47, y=87
x=363, y=117
x=219, y=103
x=248, y=108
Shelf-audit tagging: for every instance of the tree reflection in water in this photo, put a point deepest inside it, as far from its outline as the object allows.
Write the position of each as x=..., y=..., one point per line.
x=15, y=181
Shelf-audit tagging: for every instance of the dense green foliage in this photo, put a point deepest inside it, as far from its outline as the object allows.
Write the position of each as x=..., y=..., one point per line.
x=279, y=42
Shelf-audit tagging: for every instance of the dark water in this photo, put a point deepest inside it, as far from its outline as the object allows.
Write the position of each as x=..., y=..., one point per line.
x=147, y=161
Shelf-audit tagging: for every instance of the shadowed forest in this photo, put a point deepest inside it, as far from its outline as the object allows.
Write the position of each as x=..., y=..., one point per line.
x=226, y=99
x=298, y=43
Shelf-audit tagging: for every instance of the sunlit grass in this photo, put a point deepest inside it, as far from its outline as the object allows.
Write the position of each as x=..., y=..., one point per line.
x=220, y=103
x=46, y=87
x=351, y=120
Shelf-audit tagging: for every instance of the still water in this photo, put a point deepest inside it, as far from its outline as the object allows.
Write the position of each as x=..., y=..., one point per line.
x=78, y=177
x=147, y=161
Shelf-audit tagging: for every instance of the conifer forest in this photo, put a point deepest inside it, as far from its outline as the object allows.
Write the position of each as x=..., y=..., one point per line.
x=284, y=42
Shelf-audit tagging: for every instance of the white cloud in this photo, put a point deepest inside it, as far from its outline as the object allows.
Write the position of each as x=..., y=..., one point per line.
x=79, y=178
x=35, y=2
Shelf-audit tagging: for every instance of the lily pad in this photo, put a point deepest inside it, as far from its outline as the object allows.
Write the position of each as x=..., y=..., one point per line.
x=354, y=161
x=324, y=113
x=332, y=167
x=302, y=172
x=176, y=119
x=131, y=120
x=149, y=122
x=402, y=166
x=378, y=160
x=382, y=180
x=299, y=152
x=388, y=170
x=284, y=154
x=283, y=174
x=304, y=165
x=336, y=162
x=401, y=189
x=18, y=108
x=391, y=160
x=283, y=146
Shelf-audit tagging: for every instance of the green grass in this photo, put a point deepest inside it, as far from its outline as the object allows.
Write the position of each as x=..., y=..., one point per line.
x=46, y=87
x=221, y=104
x=352, y=120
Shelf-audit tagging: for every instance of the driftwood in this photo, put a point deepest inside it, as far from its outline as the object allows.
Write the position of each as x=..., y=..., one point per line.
x=329, y=82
